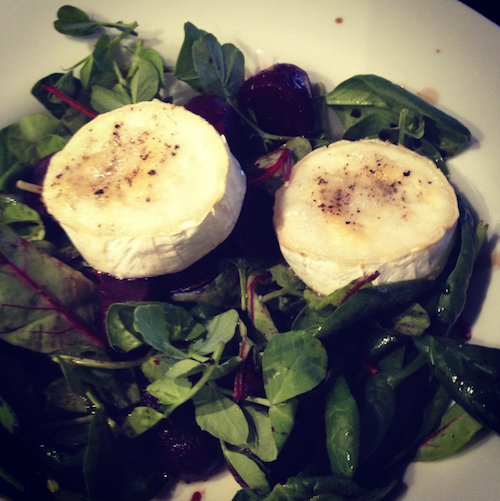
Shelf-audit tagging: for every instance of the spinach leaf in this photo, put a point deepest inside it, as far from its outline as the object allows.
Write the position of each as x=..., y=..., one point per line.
x=342, y=429
x=451, y=302
x=329, y=321
x=470, y=374
x=362, y=99
x=328, y=488
x=100, y=464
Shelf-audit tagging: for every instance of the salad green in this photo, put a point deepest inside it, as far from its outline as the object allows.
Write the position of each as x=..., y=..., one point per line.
x=308, y=397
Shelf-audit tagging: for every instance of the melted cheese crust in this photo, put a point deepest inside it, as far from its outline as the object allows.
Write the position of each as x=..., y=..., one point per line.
x=146, y=189
x=352, y=208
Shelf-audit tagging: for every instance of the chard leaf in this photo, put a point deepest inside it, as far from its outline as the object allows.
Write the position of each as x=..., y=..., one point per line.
x=220, y=416
x=413, y=321
x=378, y=408
x=293, y=363
x=456, y=429
x=66, y=83
x=45, y=305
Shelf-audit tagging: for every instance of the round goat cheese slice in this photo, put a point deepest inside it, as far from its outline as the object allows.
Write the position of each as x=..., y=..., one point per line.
x=354, y=208
x=145, y=190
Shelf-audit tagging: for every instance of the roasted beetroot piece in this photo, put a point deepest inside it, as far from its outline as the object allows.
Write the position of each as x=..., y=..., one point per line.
x=223, y=117
x=114, y=290
x=281, y=99
x=181, y=449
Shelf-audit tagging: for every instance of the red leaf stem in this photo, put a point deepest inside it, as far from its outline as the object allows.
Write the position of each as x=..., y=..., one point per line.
x=362, y=281
x=68, y=100
x=283, y=163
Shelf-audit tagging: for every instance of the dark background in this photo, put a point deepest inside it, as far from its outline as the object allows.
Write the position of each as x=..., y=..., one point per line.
x=488, y=8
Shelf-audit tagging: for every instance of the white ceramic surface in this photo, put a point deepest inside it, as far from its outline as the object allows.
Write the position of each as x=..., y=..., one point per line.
x=439, y=48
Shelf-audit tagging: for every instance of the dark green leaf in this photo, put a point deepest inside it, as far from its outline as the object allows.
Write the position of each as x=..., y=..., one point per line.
x=185, y=68
x=363, y=303
x=452, y=301
x=342, y=429
x=100, y=463
x=364, y=95
x=470, y=374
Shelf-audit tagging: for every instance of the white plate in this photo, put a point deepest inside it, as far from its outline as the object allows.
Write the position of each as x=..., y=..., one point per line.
x=439, y=48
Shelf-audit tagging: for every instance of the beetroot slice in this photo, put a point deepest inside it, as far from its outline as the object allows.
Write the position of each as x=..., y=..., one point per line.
x=281, y=99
